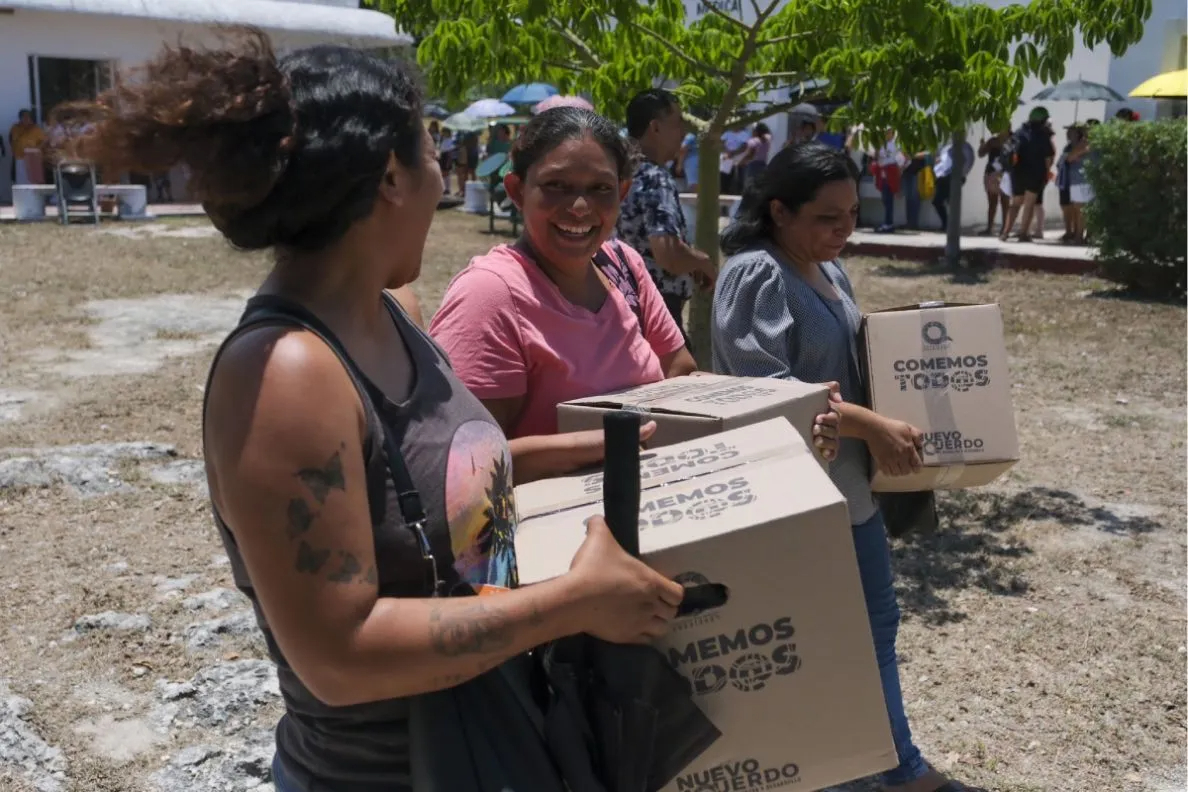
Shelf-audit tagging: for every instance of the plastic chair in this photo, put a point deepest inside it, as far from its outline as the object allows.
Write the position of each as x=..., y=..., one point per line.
x=77, y=196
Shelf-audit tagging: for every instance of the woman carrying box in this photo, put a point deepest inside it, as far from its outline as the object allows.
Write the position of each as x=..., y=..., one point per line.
x=563, y=313
x=361, y=493
x=785, y=308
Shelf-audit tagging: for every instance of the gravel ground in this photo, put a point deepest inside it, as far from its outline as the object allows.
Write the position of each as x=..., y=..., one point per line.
x=1044, y=638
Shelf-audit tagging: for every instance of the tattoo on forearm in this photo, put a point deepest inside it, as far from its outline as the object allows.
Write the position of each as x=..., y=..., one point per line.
x=321, y=480
x=475, y=629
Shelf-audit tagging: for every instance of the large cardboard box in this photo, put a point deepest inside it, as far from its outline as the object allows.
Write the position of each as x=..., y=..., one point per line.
x=786, y=668
x=943, y=368
x=686, y=408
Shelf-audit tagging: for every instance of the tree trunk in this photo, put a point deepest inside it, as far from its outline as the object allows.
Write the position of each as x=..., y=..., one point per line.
x=706, y=240
x=956, y=182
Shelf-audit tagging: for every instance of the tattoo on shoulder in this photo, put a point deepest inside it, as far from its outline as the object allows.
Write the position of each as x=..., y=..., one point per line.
x=328, y=477
x=474, y=629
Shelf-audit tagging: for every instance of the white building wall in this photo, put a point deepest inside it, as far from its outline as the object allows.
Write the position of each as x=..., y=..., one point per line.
x=125, y=40
x=1159, y=51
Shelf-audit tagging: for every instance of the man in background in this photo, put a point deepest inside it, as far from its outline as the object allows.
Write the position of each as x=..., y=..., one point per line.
x=734, y=145
x=25, y=134
x=651, y=220
x=943, y=171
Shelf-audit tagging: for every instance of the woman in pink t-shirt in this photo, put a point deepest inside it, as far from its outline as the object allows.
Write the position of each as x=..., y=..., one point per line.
x=563, y=313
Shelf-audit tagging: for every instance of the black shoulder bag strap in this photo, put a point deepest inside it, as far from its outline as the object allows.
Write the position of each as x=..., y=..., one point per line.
x=268, y=308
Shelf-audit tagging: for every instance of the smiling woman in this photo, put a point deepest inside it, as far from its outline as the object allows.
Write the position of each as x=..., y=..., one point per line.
x=563, y=313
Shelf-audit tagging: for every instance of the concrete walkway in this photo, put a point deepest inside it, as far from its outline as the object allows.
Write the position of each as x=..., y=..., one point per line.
x=1047, y=254
x=7, y=214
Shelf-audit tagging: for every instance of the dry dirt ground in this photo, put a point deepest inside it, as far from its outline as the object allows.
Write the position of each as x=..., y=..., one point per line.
x=1044, y=638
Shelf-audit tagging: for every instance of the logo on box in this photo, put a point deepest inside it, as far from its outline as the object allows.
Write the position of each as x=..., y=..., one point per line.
x=747, y=659
x=741, y=776
x=936, y=335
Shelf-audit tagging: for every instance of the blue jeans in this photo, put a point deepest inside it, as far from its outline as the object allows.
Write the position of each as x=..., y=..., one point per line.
x=874, y=567
x=888, y=205
x=280, y=781
x=911, y=199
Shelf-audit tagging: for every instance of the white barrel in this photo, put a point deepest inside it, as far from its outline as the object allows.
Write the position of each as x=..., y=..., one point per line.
x=476, y=197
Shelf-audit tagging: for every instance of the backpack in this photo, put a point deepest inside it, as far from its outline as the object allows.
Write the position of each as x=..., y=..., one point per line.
x=1008, y=157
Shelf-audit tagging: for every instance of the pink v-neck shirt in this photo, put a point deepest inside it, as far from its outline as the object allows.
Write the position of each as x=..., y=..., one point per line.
x=509, y=332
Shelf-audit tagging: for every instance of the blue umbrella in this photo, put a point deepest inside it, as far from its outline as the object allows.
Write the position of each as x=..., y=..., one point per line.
x=529, y=93
x=436, y=111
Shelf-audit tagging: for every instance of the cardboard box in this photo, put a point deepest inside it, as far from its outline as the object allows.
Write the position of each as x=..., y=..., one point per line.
x=943, y=368
x=786, y=668
x=686, y=408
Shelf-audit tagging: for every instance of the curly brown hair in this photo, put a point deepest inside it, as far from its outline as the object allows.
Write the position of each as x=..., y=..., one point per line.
x=282, y=152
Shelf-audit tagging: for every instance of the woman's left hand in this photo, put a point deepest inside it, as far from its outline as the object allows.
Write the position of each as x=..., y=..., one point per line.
x=827, y=426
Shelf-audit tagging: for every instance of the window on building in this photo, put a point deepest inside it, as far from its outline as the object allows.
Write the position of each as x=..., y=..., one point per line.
x=53, y=81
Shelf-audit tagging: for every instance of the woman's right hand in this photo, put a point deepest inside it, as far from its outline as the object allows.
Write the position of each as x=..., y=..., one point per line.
x=623, y=599
x=895, y=446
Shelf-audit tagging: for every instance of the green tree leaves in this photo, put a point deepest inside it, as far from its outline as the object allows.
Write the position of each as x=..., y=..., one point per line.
x=922, y=67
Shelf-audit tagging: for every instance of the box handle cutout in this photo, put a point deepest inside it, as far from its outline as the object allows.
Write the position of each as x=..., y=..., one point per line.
x=702, y=597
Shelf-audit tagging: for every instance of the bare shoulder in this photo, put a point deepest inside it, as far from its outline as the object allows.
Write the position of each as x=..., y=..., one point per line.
x=279, y=397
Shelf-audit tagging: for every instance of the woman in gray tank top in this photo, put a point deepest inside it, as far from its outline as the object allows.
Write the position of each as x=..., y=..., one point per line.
x=331, y=418
x=785, y=308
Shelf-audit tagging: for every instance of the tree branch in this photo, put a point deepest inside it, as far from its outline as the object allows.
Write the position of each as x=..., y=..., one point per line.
x=584, y=50
x=768, y=111
x=785, y=39
x=738, y=76
x=715, y=11
x=567, y=66
x=678, y=52
x=768, y=76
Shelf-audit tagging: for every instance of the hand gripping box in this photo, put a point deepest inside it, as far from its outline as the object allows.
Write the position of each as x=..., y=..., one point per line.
x=786, y=668
x=685, y=408
x=942, y=367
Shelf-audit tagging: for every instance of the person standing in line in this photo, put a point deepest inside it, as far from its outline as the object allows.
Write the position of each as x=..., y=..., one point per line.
x=754, y=156
x=944, y=178
x=368, y=598
x=445, y=156
x=1074, y=188
x=1034, y=154
x=785, y=308
x=688, y=162
x=651, y=219
x=909, y=187
x=888, y=164
x=734, y=143
x=500, y=141
x=992, y=149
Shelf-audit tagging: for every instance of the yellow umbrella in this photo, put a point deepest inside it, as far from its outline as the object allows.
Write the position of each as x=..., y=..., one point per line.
x=1169, y=85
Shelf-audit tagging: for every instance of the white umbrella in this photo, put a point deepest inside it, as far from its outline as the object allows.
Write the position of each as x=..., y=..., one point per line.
x=489, y=108
x=461, y=122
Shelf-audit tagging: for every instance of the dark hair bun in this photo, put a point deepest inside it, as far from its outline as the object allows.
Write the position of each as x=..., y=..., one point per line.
x=284, y=152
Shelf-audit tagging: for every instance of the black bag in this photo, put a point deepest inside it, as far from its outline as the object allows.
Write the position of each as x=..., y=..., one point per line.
x=904, y=512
